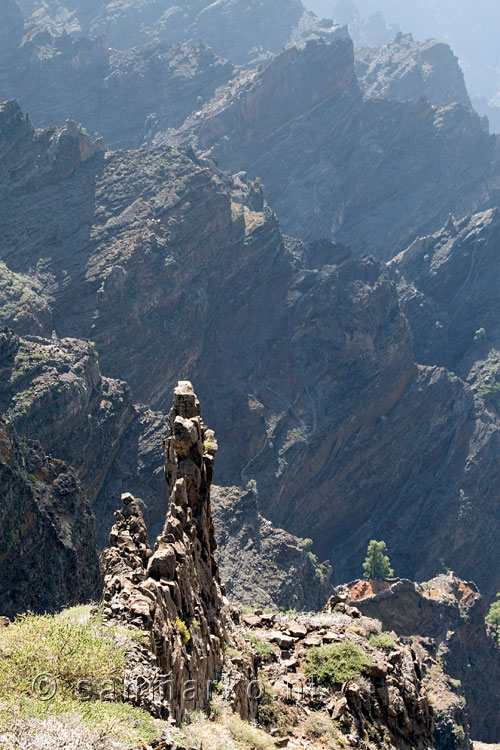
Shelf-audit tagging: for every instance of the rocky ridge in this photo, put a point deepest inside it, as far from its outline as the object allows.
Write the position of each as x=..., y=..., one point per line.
x=408, y=69
x=301, y=121
x=243, y=31
x=448, y=616
x=124, y=96
x=48, y=531
x=260, y=564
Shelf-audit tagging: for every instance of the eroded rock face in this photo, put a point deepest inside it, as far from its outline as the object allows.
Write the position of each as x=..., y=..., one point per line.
x=448, y=616
x=48, y=557
x=173, y=591
x=244, y=31
x=402, y=166
x=261, y=565
x=124, y=96
x=386, y=700
x=407, y=69
x=447, y=285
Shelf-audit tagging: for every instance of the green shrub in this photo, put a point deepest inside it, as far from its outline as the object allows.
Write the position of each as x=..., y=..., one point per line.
x=335, y=663
x=319, y=726
x=182, y=629
x=260, y=646
x=377, y=565
x=384, y=641
x=491, y=395
x=493, y=617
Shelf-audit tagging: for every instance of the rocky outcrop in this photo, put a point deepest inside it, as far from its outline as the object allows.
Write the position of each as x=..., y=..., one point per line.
x=408, y=69
x=126, y=97
x=447, y=286
x=301, y=121
x=384, y=701
x=48, y=557
x=448, y=616
x=244, y=31
x=261, y=565
x=173, y=591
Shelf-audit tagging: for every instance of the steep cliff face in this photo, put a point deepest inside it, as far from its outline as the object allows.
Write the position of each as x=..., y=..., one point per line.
x=407, y=69
x=168, y=264
x=402, y=166
x=48, y=557
x=243, y=31
x=448, y=615
x=261, y=565
x=125, y=97
x=173, y=592
x=447, y=284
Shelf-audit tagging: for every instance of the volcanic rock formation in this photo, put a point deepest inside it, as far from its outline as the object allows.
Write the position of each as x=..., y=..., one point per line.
x=260, y=564
x=407, y=69
x=365, y=171
x=173, y=592
x=448, y=615
x=48, y=557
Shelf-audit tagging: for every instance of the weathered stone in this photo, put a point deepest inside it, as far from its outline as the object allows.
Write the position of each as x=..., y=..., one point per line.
x=174, y=594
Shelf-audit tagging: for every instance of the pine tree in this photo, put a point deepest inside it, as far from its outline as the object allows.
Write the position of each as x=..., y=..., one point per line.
x=377, y=565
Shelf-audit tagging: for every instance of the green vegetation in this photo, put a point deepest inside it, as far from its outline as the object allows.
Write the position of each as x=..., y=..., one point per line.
x=252, y=486
x=458, y=732
x=273, y=712
x=69, y=665
x=335, y=663
x=384, y=641
x=182, y=629
x=377, y=565
x=319, y=726
x=491, y=395
x=260, y=646
x=493, y=617
x=250, y=738
x=207, y=447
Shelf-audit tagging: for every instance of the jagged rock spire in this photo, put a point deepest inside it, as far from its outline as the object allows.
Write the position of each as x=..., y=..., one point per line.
x=173, y=592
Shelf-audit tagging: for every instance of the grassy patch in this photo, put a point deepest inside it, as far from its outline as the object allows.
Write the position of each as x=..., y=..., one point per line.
x=335, y=663
x=384, y=641
x=259, y=645
x=319, y=726
x=247, y=736
x=68, y=665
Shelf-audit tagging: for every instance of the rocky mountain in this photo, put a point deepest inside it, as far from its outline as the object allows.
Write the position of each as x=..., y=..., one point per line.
x=447, y=285
x=48, y=556
x=244, y=31
x=448, y=617
x=329, y=156
x=124, y=96
x=167, y=264
x=407, y=69
x=260, y=564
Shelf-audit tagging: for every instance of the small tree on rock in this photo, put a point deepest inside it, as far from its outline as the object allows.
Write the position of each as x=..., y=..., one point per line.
x=377, y=565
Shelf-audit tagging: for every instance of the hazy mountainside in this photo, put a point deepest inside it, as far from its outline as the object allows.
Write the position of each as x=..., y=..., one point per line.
x=448, y=287
x=369, y=172
x=407, y=69
x=167, y=264
x=124, y=96
x=244, y=31
x=470, y=31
